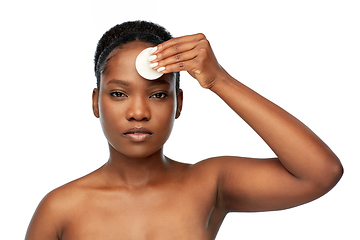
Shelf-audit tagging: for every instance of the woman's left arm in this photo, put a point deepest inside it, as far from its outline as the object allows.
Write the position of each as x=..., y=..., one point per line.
x=305, y=169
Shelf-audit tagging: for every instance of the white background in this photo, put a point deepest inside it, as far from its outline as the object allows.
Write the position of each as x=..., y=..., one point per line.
x=302, y=55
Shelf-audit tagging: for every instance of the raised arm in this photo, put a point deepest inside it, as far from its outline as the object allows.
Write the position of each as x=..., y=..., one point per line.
x=305, y=168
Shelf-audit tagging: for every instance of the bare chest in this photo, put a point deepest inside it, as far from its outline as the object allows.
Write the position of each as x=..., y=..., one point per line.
x=147, y=214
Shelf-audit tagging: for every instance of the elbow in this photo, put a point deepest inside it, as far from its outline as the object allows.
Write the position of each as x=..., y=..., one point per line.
x=339, y=172
x=331, y=175
x=335, y=173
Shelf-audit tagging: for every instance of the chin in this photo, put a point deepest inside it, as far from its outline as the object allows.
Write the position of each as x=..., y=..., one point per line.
x=135, y=152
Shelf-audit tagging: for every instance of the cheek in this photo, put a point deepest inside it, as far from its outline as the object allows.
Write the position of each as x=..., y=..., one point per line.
x=109, y=115
x=165, y=117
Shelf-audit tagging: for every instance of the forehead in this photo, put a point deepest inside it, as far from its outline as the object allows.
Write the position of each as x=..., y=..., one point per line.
x=124, y=56
x=121, y=64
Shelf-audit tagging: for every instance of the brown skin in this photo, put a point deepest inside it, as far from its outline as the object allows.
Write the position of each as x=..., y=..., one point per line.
x=141, y=194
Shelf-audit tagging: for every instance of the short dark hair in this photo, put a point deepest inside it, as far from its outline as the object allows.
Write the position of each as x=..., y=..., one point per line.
x=127, y=32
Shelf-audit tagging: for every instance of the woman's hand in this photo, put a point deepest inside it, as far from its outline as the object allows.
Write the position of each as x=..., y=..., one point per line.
x=191, y=53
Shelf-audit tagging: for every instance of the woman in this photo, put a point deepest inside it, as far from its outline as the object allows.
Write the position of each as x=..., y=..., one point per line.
x=140, y=193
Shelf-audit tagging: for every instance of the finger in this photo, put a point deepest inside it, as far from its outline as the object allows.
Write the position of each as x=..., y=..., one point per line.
x=179, y=57
x=180, y=66
x=180, y=40
x=175, y=50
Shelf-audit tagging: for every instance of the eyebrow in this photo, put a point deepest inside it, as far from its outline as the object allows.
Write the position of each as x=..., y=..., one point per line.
x=118, y=82
x=126, y=83
x=158, y=82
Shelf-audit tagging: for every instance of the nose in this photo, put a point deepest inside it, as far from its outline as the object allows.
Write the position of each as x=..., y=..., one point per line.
x=138, y=110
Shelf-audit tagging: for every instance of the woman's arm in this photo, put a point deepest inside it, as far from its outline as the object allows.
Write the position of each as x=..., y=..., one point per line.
x=44, y=224
x=305, y=168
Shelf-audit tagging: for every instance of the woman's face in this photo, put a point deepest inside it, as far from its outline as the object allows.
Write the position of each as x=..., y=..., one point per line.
x=136, y=115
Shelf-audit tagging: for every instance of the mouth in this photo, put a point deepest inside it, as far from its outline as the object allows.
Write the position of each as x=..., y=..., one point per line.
x=137, y=134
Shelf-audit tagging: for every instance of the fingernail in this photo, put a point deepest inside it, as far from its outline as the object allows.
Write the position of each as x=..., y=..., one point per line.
x=152, y=65
x=161, y=69
x=153, y=50
x=152, y=58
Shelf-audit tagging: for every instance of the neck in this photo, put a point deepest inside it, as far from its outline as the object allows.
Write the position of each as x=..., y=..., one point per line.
x=135, y=172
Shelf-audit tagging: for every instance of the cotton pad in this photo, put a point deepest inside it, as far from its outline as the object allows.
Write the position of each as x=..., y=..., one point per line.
x=142, y=65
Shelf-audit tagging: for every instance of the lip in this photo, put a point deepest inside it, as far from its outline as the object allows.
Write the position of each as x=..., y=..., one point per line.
x=138, y=134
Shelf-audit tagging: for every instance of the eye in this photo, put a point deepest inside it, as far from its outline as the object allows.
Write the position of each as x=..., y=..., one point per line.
x=117, y=94
x=159, y=95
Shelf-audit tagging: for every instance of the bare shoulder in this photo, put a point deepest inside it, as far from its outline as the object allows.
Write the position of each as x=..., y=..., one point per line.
x=223, y=164
x=64, y=198
x=215, y=165
x=207, y=167
x=211, y=170
x=55, y=208
x=61, y=198
x=74, y=189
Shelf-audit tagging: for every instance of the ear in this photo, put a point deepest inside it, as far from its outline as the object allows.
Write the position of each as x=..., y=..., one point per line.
x=179, y=103
x=95, y=102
